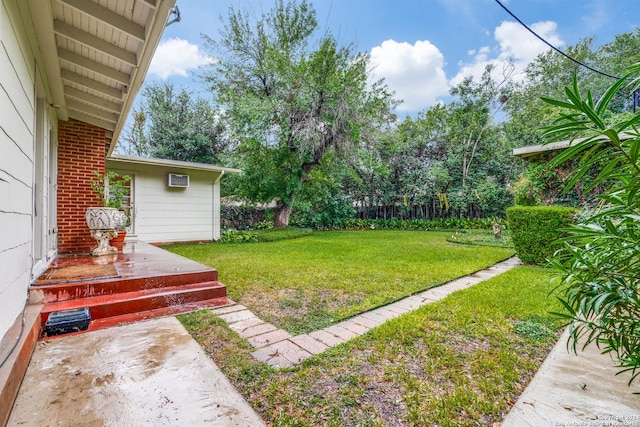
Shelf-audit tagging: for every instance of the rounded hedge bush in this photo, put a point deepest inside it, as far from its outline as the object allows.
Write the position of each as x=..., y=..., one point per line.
x=536, y=229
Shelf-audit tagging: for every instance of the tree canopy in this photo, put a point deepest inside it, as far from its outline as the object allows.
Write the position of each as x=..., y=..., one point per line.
x=172, y=124
x=293, y=96
x=300, y=114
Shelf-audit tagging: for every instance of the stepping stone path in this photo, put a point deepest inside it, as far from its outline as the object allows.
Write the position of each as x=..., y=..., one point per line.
x=280, y=349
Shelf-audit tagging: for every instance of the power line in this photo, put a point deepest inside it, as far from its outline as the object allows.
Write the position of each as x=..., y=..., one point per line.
x=553, y=47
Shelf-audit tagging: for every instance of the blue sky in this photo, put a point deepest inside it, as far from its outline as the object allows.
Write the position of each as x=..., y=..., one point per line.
x=420, y=47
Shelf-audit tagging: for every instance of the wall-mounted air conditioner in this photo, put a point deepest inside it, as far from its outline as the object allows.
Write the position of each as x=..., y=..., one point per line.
x=177, y=181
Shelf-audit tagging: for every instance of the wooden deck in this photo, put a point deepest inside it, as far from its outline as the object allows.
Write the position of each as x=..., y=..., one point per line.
x=147, y=282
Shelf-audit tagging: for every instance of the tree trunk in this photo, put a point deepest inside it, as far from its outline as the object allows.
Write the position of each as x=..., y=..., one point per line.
x=283, y=212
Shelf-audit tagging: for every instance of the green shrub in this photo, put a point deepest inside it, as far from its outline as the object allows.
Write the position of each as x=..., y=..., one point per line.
x=325, y=215
x=244, y=216
x=536, y=229
x=263, y=235
x=263, y=225
x=437, y=224
x=238, y=236
x=526, y=191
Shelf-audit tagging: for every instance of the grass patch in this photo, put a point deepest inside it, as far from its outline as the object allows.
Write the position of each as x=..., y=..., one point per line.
x=533, y=330
x=461, y=361
x=482, y=238
x=310, y=282
x=277, y=234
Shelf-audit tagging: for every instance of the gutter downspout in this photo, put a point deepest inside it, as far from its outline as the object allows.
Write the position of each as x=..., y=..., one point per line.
x=217, y=181
x=216, y=209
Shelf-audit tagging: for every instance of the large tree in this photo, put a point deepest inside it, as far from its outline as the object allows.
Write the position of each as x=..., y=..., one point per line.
x=293, y=96
x=547, y=75
x=172, y=124
x=182, y=127
x=133, y=140
x=472, y=128
x=457, y=150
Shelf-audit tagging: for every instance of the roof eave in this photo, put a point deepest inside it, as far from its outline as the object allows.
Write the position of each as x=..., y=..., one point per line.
x=119, y=160
x=529, y=151
x=533, y=150
x=41, y=14
x=159, y=22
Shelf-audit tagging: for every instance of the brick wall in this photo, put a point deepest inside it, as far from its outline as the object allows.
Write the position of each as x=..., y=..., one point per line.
x=81, y=150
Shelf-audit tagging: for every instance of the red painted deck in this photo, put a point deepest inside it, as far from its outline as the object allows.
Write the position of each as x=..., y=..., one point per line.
x=152, y=282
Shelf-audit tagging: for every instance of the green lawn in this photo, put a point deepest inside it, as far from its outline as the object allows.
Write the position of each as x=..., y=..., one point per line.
x=310, y=282
x=461, y=361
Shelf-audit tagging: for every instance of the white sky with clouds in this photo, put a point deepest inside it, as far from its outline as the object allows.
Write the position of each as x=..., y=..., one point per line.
x=414, y=71
x=177, y=57
x=515, y=44
x=421, y=48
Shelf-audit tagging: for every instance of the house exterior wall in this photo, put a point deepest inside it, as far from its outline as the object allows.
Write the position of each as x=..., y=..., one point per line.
x=81, y=150
x=23, y=173
x=163, y=214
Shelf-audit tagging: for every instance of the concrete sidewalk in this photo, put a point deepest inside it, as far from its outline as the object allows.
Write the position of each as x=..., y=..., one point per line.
x=148, y=373
x=577, y=390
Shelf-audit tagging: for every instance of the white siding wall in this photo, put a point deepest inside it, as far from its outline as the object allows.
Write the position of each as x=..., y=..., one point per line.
x=165, y=214
x=17, y=71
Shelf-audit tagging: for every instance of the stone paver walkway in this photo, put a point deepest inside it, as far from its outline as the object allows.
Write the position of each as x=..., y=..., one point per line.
x=280, y=349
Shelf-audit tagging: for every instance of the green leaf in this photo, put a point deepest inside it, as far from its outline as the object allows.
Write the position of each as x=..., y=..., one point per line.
x=561, y=104
x=610, y=93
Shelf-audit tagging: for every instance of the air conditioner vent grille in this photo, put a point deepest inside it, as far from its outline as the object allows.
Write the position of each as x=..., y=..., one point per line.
x=177, y=181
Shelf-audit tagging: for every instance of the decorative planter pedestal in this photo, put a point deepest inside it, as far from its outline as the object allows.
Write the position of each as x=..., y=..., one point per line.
x=103, y=237
x=119, y=239
x=103, y=223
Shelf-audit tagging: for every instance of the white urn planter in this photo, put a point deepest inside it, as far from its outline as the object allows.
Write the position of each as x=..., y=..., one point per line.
x=103, y=223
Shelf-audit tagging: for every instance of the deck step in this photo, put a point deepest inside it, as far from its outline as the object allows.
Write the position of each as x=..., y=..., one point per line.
x=124, y=319
x=126, y=303
x=92, y=288
x=150, y=282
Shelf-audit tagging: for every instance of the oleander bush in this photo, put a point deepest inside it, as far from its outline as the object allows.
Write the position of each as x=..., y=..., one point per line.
x=600, y=262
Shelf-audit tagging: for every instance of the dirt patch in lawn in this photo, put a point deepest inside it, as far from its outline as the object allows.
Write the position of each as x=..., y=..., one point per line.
x=300, y=310
x=467, y=345
x=385, y=396
x=357, y=393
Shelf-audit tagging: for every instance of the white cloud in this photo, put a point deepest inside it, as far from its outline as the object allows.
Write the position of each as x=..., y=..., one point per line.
x=515, y=41
x=176, y=57
x=516, y=44
x=415, y=72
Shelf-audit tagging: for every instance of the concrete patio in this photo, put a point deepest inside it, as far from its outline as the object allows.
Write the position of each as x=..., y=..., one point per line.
x=140, y=282
x=149, y=373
